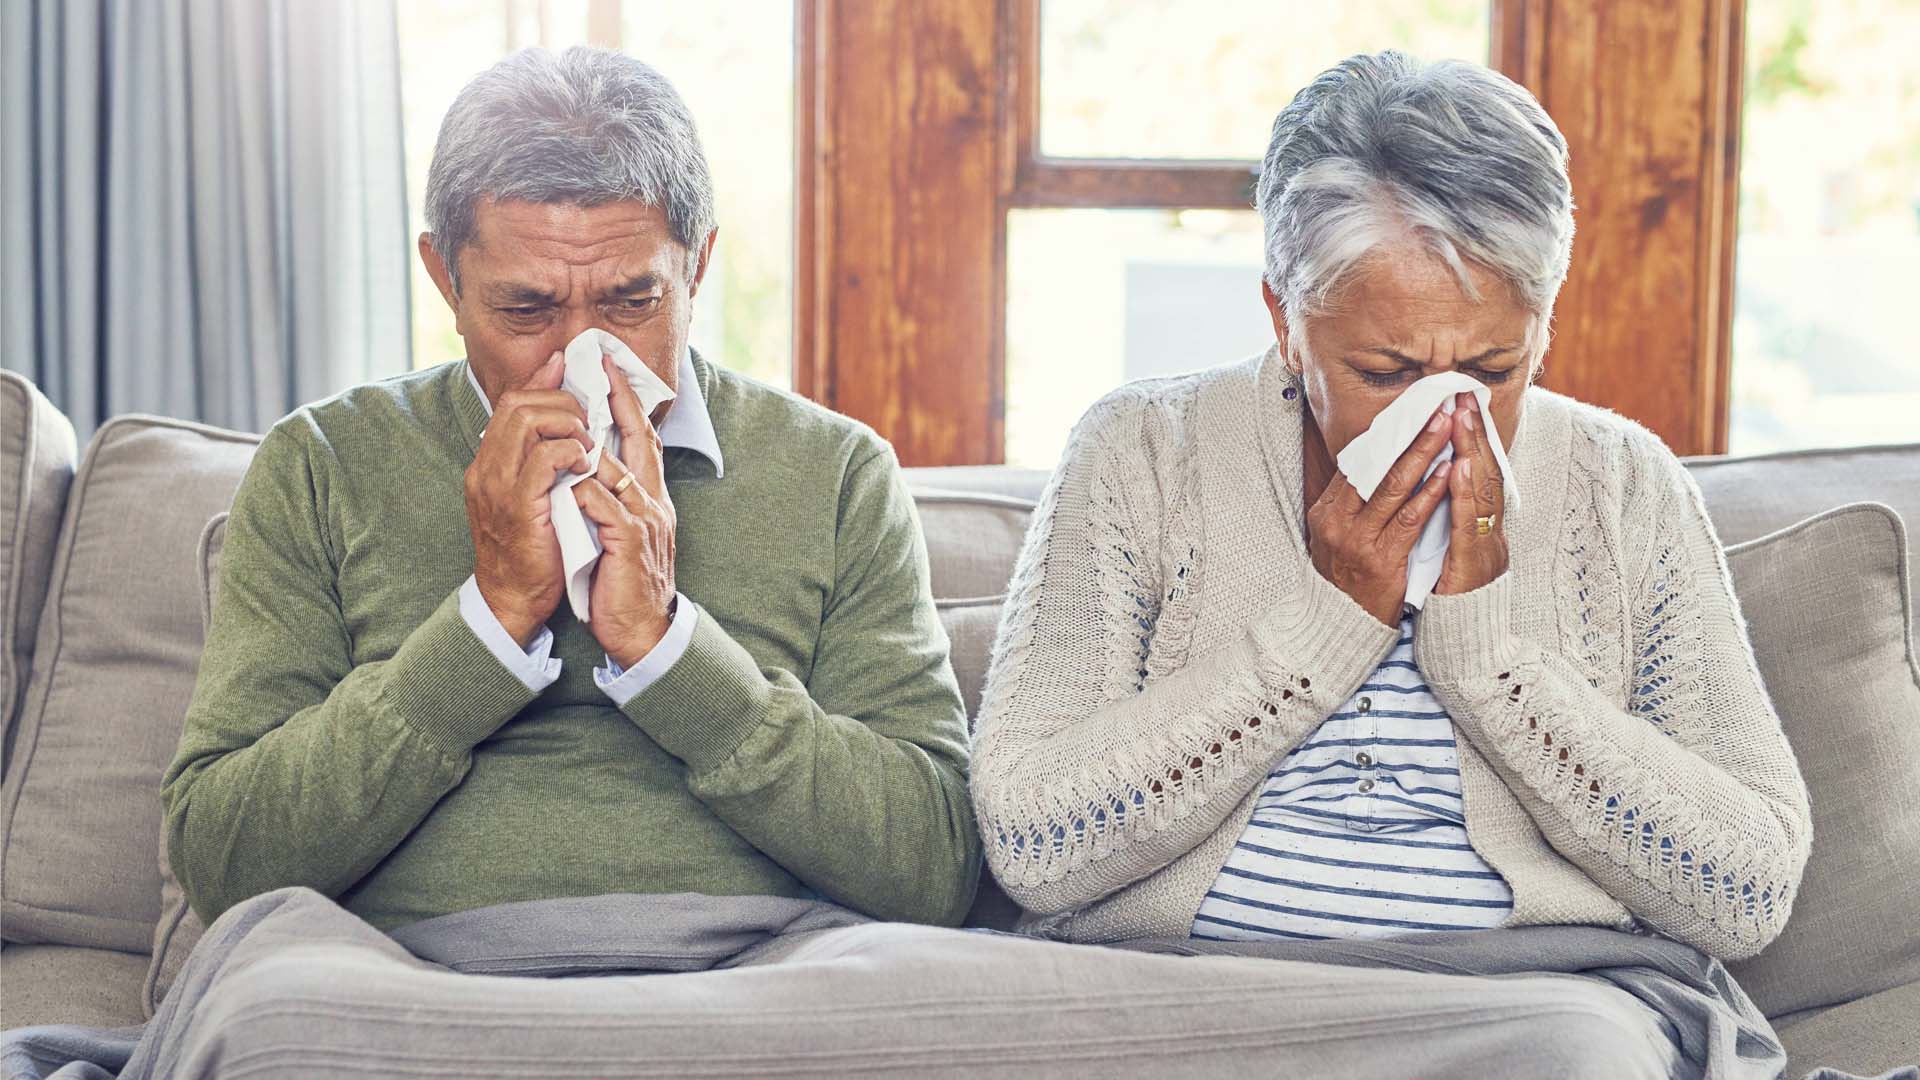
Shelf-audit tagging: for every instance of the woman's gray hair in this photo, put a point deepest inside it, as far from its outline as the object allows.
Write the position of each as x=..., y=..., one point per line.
x=1382, y=145
x=587, y=127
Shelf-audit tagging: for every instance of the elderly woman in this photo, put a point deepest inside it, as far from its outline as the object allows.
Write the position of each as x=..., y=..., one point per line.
x=1212, y=712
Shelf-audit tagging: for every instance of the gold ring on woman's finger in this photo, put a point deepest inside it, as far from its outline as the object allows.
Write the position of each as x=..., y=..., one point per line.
x=622, y=485
x=1483, y=525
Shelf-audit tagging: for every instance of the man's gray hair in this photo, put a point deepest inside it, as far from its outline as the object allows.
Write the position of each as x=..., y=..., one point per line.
x=587, y=127
x=1382, y=145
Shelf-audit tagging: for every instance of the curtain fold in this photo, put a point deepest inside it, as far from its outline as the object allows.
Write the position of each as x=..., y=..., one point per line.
x=204, y=204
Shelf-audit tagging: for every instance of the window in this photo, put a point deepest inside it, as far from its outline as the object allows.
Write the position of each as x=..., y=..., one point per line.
x=732, y=62
x=1132, y=249
x=1009, y=206
x=1121, y=80
x=1828, y=262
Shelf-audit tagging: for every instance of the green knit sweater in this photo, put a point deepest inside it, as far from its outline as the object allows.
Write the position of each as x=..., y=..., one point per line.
x=350, y=733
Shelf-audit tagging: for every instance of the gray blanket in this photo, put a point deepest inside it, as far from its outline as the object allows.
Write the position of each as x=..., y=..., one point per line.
x=291, y=983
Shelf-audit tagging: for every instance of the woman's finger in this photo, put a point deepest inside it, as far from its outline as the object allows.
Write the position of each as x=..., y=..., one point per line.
x=1466, y=451
x=1413, y=515
x=1491, y=483
x=1464, y=507
x=1403, y=479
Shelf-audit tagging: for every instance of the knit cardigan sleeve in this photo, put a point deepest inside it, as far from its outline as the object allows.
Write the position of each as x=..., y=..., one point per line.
x=1687, y=804
x=1087, y=774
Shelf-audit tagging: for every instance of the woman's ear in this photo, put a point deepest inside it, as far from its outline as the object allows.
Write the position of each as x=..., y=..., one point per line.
x=1277, y=312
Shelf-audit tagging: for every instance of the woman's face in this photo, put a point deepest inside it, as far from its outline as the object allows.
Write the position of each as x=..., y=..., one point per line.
x=1399, y=317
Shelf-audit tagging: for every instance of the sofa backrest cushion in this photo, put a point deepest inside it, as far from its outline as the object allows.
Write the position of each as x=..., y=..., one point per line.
x=179, y=928
x=972, y=540
x=113, y=668
x=1748, y=497
x=1828, y=606
x=37, y=459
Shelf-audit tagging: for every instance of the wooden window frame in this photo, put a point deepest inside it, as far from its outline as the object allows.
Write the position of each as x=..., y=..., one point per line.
x=917, y=131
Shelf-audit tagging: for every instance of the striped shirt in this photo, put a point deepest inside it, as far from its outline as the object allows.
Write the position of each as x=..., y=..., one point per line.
x=1361, y=831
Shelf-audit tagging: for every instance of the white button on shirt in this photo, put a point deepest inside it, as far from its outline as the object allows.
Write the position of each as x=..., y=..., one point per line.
x=689, y=426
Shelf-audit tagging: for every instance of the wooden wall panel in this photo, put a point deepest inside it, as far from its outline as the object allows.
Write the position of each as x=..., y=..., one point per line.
x=900, y=222
x=1647, y=95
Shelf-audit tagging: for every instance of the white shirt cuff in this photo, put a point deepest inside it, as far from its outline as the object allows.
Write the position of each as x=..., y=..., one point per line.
x=534, y=665
x=622, y=685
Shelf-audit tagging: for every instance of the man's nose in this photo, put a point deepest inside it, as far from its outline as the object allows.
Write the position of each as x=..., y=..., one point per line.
x=574, y=319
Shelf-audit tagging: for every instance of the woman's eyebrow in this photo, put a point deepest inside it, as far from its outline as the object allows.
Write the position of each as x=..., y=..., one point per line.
x=1408, y=361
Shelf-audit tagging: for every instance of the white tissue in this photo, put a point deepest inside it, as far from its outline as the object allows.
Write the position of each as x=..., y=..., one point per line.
x=587, y=381
x=1367, y=458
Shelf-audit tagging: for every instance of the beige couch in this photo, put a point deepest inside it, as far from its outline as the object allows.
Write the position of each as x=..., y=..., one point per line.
x=101, y=601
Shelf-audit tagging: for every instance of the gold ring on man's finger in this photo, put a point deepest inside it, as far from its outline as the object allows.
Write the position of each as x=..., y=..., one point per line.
x=623, y=484
x=1483, y=525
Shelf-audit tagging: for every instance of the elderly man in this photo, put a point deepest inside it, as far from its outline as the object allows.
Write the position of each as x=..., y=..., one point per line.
x=397, y=709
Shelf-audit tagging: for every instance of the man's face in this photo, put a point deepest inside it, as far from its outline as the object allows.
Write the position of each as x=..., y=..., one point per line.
x=534, y=275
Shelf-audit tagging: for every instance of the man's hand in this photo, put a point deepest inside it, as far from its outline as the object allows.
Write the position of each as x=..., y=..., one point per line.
x=1474, y=558
x=537, y=432
x=633, y=584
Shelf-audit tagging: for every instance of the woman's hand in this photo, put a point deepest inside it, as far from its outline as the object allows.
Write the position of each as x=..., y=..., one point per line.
x=1474, y=558
x=1361, y=547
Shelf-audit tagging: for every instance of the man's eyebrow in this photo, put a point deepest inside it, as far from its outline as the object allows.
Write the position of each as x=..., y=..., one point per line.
x=636, y=285
x=517, y=294
x=1408, y=361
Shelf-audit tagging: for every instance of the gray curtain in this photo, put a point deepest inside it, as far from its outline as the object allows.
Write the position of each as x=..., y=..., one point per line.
x=204, y=206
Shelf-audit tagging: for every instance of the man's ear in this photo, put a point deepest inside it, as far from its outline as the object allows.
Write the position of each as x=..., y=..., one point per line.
x=1281, y=331
x=442, y=280
x=701, y=264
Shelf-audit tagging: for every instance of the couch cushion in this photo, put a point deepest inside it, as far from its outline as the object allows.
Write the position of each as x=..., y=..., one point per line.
x=37, y=458
x=972, y=540
x=1871, y=1036
x=1748, y=497
x=1026, y=484
x=67, y=984
x=119, y=643
x=970, y=626
x=179, y=928
x=1826, y=603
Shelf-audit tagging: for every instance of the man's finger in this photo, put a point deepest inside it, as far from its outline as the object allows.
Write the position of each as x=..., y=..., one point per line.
x=610, y=474
x=514, y=401
x=597, y=503
x=548, y=376
x=639, y=443
x=624, y=403
x=535, y=425
x=545, y=463
x=1403, y=479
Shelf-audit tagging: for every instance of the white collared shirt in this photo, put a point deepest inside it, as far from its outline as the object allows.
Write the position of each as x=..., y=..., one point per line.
x=688, y=425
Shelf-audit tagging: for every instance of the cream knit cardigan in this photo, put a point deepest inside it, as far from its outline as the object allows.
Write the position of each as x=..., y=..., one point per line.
x=1167, y=640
